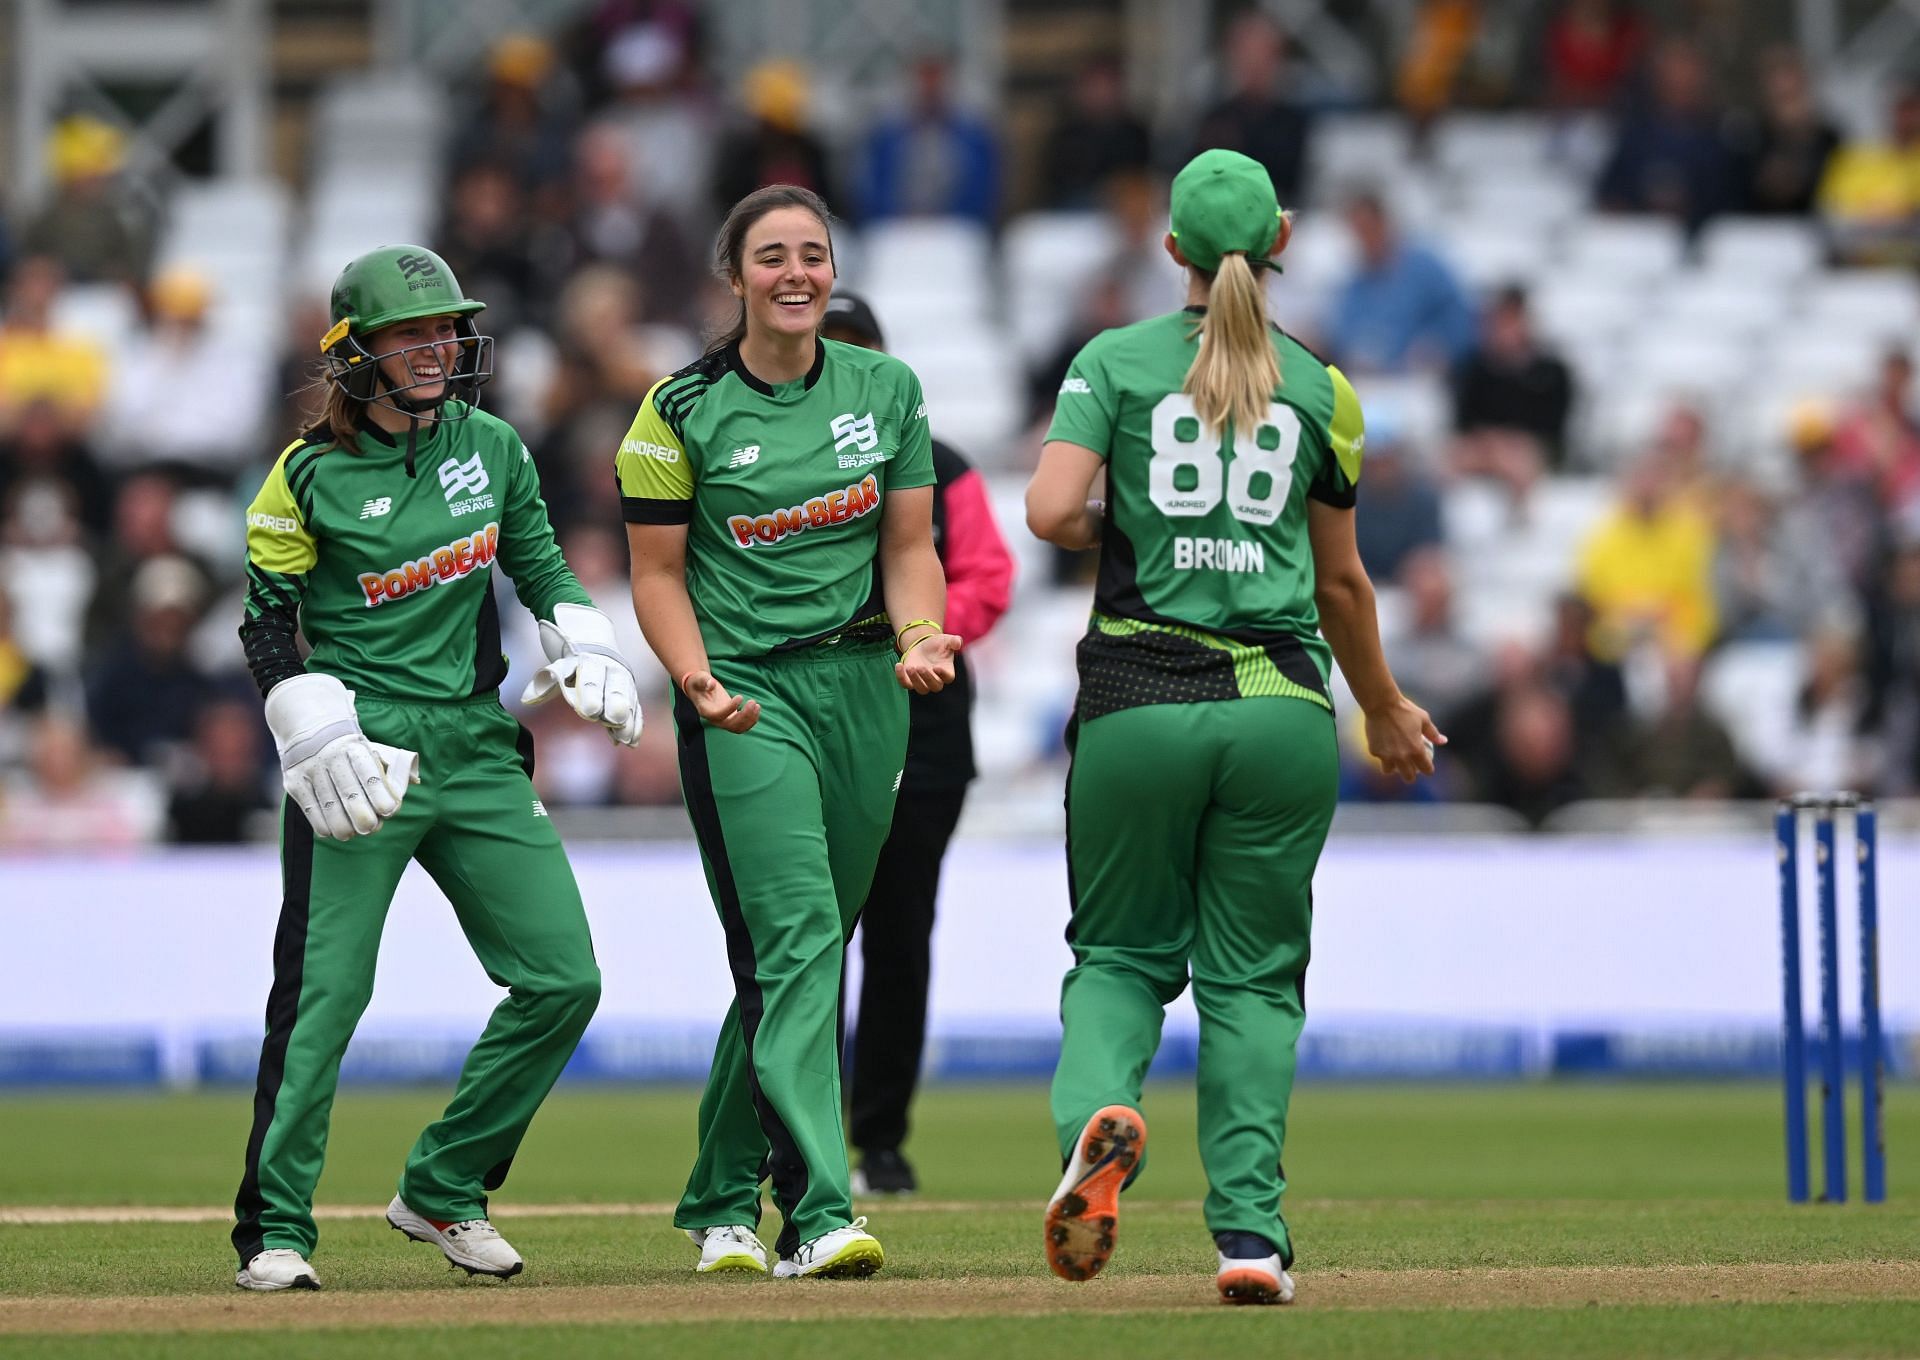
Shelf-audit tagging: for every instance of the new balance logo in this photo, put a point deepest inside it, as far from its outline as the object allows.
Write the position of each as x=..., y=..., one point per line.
x=459, y=479
x=539, y=808
x=376, y=507
x=896, y=780
x=744, y=457
x=855, y=430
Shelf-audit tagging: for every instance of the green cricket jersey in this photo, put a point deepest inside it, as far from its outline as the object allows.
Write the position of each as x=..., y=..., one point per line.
x=391, y=576
x=781, y=487
x=1206, y=573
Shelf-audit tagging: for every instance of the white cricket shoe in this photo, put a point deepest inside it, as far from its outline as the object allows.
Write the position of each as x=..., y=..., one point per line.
x=476, y=1246
x=1260, y=1280
x=731, y=1246
x=277, y=1268
x=843, y=1254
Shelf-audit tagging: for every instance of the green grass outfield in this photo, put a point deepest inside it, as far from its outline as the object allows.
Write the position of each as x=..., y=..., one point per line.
x=1487, y=1221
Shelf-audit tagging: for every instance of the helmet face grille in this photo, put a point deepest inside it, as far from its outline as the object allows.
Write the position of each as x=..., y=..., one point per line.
x=356, y=370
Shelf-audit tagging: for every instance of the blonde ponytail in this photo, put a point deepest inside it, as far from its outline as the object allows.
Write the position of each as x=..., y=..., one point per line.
x=1234, y=376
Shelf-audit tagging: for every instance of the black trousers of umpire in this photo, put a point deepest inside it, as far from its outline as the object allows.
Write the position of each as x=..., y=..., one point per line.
x=896, y=928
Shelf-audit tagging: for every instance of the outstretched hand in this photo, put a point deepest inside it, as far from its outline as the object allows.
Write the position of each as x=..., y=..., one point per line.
x=927, y=666
x=714, y=705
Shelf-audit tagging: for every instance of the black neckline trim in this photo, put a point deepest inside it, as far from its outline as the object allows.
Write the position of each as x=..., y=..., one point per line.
x=765, y=388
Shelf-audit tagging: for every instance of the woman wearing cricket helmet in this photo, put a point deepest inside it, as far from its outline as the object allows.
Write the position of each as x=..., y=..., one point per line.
x=376, y=534
x=1228, y=573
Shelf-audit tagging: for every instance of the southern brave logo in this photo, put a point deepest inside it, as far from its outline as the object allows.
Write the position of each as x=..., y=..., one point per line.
x=463, y=479
x=376, y=507
x=416, y=264
x=744, y=457
x=855, y=430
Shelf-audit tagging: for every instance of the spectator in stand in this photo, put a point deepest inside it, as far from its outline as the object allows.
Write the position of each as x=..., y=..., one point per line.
x=143, y=529
x=662, y=113
x=774, y=145
x=1892, y=713
x=47, y=574
x=1402, y=310
x=1647, y=567
x=65, y=801
x=1434, y=57
x=524, y=119
x=1097, y=137
x=38, y=362
x=1595, y=688
x=1870, y=195
x=1781, y=150
x=1256, y=118
x=1833, y=529
x=1437, y=666
x=488, y=236
x=145, y=695
x=1757, y=591
x=147, y=423
x=1669, y=156
x=1879, y=439
x=94, y=226
x=42, y=449
x=1403, y=504
x=1589, y=49
x=1686, y=752
x=612, y=222
x=224, y=789
x=1532, y=766
x=933, y=160
x=1510, y=401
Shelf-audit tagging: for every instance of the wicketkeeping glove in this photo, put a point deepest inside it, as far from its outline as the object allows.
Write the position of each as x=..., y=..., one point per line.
x=585, y=668
x=345, y=784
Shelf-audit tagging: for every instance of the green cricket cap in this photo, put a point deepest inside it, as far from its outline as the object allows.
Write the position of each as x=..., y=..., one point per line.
x=1224, y=202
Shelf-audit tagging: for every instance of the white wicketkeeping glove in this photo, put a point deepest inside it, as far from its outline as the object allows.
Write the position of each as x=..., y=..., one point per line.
x=585, y=668
x=345, y=784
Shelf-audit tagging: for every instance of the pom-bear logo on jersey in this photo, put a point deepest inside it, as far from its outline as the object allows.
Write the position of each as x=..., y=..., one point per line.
x=855, y=430
x=816, y=512
x=449, y=562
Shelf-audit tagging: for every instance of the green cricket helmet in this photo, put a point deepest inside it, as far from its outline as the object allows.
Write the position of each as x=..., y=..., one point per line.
x=400, y=283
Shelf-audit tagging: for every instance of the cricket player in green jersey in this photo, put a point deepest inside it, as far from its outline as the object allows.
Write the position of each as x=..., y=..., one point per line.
x=1228, y=573
x=376, y=535
x=778, y=495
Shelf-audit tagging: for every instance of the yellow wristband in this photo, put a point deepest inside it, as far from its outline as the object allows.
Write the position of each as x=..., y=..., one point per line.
x=916, y=642
x=917, y=623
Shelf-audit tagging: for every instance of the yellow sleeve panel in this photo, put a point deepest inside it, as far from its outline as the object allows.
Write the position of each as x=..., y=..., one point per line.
x=277, y=537
x=652, y=462
x=1348, y=429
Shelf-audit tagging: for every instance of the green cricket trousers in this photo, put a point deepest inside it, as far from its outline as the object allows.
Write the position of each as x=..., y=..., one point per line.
x=790, y=817
x=1192, y=835
x=476, y=826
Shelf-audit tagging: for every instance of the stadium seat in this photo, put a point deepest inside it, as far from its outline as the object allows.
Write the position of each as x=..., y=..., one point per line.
x=1625, y=252
x=1882, y=303
x=1349, y=149
x=1725, y=304
x=1571, y=309
x=1320, y=255
x=1543, y=202
x=1760, y=248
x=105, y=313
x=957, y=249
x=1490, y=145
x=1836, y=359
x=1049, y=260
x=1490, y=254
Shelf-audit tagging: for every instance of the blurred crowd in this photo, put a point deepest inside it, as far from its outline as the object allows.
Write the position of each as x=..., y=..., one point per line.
x=584, y=176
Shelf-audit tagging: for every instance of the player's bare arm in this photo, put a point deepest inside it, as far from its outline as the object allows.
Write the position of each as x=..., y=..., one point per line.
x=916, y=590
x=1060, y=508
x=660, y=601
x=1399, y=733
